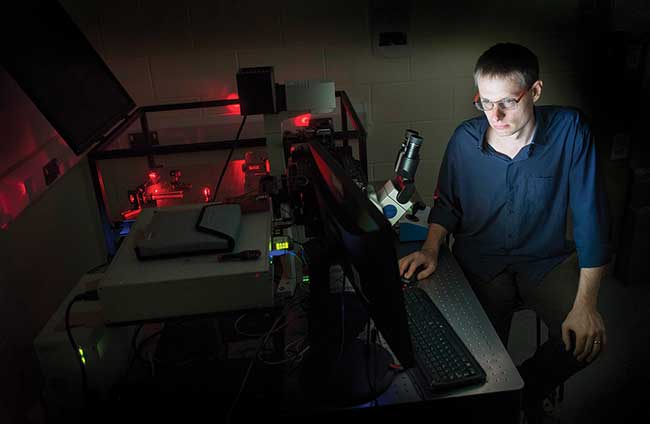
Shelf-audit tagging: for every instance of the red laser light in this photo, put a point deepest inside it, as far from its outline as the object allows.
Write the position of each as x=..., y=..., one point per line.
x=302, y=120
x=233, y=109
x=206, y=194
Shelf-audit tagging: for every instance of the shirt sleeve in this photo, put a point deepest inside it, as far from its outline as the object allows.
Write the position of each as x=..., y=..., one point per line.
x=588, y=201
x=446, y=209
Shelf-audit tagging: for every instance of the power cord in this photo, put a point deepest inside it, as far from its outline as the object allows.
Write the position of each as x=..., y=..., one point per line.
x=249, y=369
x=225, y=166
x=78, y=350
x=263, y=341
x=371, y=339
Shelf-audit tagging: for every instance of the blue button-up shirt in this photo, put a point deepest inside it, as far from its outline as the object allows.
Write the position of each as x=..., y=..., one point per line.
x=512, y=213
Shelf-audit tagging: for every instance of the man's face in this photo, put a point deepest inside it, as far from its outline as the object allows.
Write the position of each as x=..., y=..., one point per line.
x=509, y=122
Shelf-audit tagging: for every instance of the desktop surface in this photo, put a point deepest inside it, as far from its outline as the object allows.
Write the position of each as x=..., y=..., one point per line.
x=453, y=295
x=497, y=398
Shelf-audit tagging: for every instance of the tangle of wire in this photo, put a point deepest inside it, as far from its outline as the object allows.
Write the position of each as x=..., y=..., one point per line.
x=264, y=341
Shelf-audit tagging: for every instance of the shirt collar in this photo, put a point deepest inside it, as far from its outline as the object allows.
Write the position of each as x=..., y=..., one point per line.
x=539, y=136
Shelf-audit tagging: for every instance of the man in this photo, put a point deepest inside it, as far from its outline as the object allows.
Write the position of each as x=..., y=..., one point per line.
x=506, y=185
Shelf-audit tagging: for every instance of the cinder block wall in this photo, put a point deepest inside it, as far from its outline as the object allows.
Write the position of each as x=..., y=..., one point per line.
x=169, y=51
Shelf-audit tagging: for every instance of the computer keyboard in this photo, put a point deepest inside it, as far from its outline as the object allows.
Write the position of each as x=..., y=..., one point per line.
x=442, y=361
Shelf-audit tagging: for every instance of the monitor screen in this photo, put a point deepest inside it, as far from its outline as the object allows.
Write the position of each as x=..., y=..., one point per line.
x=354, y=225
x=60, y=71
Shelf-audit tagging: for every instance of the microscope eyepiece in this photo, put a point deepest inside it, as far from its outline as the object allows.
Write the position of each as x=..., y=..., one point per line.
x=409, y=160
x=413, y=146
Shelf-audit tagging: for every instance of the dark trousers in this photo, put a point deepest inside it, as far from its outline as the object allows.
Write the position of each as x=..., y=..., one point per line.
x=552, y=299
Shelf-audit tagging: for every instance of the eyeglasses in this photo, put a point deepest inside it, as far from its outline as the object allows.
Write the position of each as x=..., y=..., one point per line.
x=508, y=103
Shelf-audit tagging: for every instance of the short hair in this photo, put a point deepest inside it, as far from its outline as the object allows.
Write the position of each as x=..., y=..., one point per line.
x=508, y=60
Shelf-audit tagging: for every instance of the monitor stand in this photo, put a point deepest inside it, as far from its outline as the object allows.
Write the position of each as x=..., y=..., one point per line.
x=341, y=368
x=355, y=375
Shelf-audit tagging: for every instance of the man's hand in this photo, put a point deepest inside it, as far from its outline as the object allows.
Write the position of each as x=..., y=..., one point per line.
x=589, y=329
x=409, y=263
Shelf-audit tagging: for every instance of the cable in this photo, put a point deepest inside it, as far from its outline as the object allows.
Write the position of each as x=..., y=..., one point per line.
x=243, y=333
x=273, y=329
x=78, y=351
x=97, y=268
x=134, y=346
x=225, y=166
x=303, y=252
x=250, y=367
x=281, y=252
x=342, y=281
x=370, y=362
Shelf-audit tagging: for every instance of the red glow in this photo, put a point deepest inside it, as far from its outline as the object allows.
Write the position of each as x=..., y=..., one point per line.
x=302, y=120
x=168, y=195
x=23, y=188
x=233, y=184
x=131, y=198
x=254, y=167
x=131, y=214
x=233, y=109
x=268, y=166
x=206, y=194
x=153, y=176
x=238, y=175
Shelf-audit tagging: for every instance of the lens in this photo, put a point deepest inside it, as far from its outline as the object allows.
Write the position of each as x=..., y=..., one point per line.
x=508, y=104
x=408, y=134
x=483, y=106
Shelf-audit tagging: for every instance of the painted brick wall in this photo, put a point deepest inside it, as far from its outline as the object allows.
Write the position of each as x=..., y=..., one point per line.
x=168, y=51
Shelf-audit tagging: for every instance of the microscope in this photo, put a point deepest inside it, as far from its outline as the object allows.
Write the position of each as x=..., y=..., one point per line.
x=394, y=199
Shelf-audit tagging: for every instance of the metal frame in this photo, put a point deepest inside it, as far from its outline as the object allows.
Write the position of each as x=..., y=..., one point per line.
x=99, y=153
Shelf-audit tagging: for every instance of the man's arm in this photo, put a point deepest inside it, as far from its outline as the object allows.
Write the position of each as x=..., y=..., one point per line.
x=589, y=286
x=427, y=255
x=435, y=237
x=584, y=319
x=443, y=218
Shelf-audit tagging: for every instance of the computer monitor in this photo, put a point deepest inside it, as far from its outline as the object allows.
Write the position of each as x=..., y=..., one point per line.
x=355, y=231
x=62, y=73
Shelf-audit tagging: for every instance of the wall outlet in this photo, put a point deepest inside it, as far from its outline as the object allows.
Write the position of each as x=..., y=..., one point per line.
x=51, y=171
x=139, y=140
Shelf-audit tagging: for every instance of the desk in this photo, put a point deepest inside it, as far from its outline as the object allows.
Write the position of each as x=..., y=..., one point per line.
x=496, y=400
x=213, y=385
x=454, y=297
